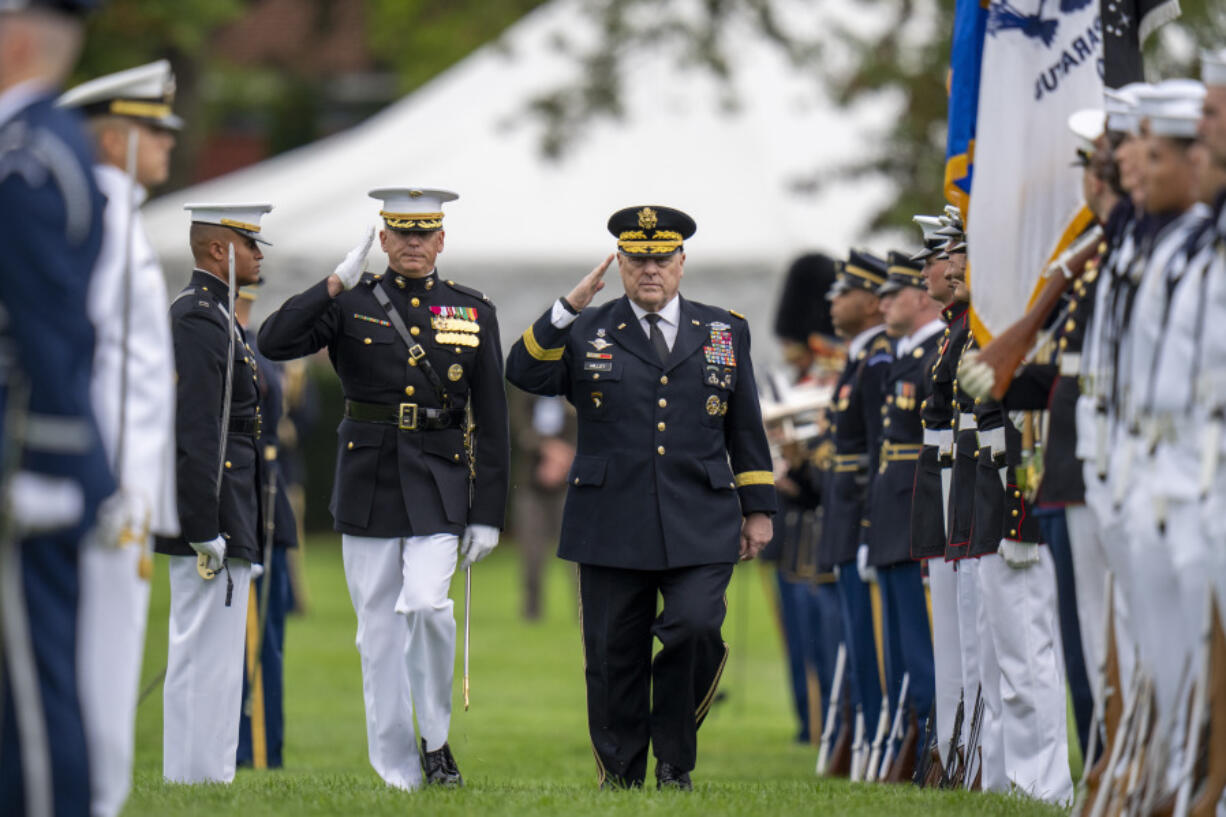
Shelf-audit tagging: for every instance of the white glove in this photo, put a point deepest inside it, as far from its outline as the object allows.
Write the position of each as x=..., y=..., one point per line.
x=40, y=503
x=257, y=570
x=109, y=524
x=1019, y=554
x=349, y=271
x=975, y=377
x=867, y=573
x=478, y=541
x=215, y=549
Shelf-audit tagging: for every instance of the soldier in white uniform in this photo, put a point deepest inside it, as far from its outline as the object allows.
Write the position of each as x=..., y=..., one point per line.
x=1160, y=463
x=1211, y=352
x=132, y=390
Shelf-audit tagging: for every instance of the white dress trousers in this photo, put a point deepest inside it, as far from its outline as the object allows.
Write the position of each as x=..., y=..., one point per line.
x=110, y=646
x=204, y=673
x=406, y=639
x=1019, y=611
x=946, y=649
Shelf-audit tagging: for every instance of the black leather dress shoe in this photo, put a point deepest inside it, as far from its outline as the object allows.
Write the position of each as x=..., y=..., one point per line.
x=440, y=767
x=669, y=776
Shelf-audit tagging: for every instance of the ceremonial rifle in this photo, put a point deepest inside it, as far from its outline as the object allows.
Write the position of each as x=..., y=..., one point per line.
x=832, y=710
x=878, y=747
x=896, y=726
x=1008, y=349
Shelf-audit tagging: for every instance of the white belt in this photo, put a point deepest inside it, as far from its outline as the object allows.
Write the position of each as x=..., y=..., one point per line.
x=993, y=439
x=940, y=437
x=966, y=421
x=1070, y=364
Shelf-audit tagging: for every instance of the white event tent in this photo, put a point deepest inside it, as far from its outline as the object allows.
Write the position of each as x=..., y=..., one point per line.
x=525, y=227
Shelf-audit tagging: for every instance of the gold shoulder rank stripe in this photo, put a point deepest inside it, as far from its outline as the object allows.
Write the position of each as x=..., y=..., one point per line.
x=754, y=478
x=539, y=352
x=736, y=314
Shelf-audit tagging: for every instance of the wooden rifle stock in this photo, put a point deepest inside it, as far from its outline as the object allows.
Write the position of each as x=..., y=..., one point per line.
x=1007, y=350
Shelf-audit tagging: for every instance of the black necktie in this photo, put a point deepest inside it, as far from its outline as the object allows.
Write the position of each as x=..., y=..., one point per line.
x=657, y=337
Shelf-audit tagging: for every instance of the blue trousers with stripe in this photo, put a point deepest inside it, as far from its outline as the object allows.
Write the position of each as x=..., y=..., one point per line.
x=863, y=679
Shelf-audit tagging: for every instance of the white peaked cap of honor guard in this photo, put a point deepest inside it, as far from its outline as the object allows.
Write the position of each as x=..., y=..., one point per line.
x=244, y=219
x=1177, y=119
x=145, y=93
x=930, y=225
x=1087, y=124
x=1213, y=67
x=413, y=209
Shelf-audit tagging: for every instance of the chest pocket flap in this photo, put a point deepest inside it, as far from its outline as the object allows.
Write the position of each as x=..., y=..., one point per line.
x=367, y=333
x=588, y=470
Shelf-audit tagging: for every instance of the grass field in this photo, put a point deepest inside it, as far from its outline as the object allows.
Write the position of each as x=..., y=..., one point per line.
x=523, y=745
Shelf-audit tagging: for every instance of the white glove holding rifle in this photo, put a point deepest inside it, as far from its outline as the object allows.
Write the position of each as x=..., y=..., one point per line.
x=349, y=271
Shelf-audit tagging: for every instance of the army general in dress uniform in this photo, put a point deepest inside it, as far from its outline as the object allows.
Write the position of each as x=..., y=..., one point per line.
x=413, y=352
x=670, y=486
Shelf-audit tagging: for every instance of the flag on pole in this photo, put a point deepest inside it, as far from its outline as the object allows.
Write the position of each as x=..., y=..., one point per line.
x=1126, y=26
x=970, y=20
x=1041, y=62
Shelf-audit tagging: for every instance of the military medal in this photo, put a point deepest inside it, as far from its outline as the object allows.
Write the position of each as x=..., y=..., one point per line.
x=713, y=405
x=600, y=343
x=719, y=350
x=455, y=372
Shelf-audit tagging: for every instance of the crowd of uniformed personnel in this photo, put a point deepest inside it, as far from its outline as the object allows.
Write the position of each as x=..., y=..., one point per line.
x=945, y=493
x=1085, y=456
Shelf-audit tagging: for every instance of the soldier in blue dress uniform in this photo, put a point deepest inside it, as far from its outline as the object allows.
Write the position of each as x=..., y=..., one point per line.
x=914, y=319
x=55, y=473
x=670, y=486
x=261, y=734
x=856, y=421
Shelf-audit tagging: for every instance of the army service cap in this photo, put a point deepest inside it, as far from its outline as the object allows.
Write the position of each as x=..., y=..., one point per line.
x=243, y=219
x=861, y=270
x=902, y=272
x=650, y=230
x=412, y=209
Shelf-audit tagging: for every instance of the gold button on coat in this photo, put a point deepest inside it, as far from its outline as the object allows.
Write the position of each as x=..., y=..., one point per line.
x=414, y=331
x=409, y=390
x=366, y=341
x=662, y=403
x=350, y=446
x=660, y=426
x=663, y=380
x=416, y=302
x=660, y=451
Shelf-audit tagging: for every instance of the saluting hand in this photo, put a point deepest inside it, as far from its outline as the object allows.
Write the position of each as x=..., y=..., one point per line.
x=756, y=533
x=586, y=289
x=349, y=271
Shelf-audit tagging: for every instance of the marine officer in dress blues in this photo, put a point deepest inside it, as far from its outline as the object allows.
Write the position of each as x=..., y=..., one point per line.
x=133, y=126
x=414, y=483
x=670, y=486
x=55, y=472
x=856, y=419
x=913, y=317
x=218, y=486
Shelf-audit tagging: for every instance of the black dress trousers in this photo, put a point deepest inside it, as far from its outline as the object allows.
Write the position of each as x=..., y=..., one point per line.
x=632, y=699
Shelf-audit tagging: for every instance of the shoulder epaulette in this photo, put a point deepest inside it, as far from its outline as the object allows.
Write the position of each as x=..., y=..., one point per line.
x=473, y=293
x=736, y=314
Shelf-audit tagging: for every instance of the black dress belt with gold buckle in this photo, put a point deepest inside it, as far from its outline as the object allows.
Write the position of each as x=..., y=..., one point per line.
x=405, y=416
x=250, y=426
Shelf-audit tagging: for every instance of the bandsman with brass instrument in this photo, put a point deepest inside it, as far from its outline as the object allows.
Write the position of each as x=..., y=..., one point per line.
x=413, y=351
